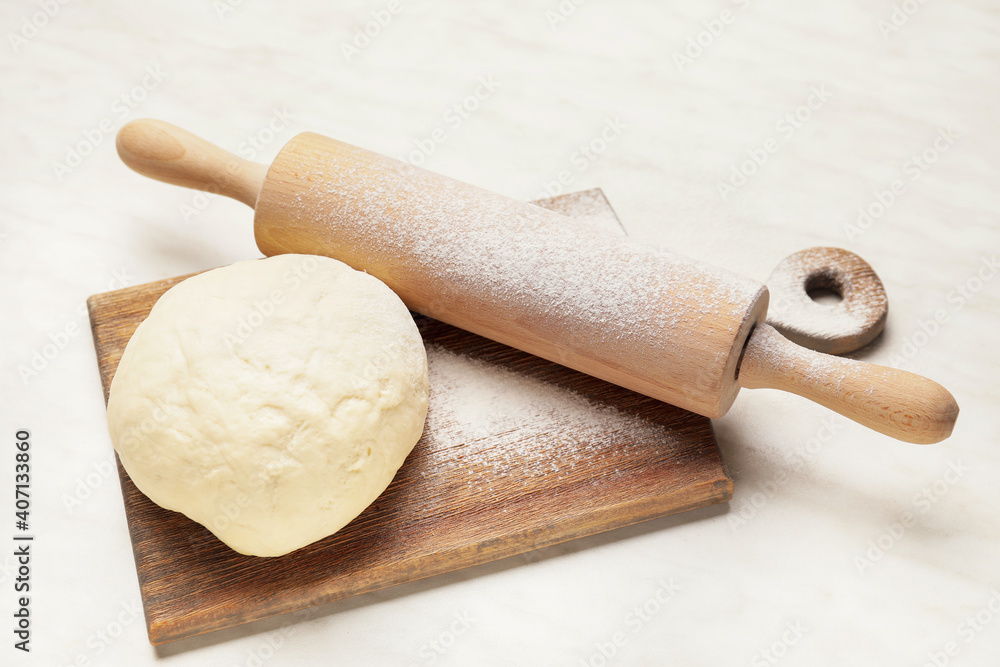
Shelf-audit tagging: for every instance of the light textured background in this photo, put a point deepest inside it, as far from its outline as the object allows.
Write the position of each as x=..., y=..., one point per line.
x=809, y=539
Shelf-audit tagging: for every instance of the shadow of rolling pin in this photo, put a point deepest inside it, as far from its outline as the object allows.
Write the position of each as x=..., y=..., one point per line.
x=679, y=330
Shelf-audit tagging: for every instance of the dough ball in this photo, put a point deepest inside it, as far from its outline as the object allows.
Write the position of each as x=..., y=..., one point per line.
x=270, y=401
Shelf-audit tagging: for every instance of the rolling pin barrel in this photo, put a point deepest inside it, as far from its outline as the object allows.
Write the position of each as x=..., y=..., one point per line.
x=670, y=327
x=649, y=320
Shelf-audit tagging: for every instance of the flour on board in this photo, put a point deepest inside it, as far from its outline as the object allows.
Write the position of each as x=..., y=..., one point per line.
x=514, y=422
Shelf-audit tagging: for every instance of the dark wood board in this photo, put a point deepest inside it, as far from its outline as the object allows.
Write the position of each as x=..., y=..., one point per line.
x=591, y=458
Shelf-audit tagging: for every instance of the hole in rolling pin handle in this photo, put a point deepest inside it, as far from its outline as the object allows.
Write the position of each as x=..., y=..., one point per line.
x=746, y=343
x=825, y=286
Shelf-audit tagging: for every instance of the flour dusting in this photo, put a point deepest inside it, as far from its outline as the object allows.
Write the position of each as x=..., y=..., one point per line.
x=583, y=296
x=511, y=421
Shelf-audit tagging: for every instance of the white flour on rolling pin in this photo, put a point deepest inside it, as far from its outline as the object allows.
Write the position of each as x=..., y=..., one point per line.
x=852, y=322
x=589, y=207
x=670, y=327
x=529, y=264
x=527, y=277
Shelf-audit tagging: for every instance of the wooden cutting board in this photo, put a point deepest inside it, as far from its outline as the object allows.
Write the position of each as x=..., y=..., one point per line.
x=517, y=453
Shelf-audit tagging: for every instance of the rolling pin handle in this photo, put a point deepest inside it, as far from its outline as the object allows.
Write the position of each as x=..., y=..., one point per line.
x=167, y=153
x=894, y=402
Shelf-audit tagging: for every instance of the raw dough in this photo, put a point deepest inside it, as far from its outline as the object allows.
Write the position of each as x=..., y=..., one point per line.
x=272, y=400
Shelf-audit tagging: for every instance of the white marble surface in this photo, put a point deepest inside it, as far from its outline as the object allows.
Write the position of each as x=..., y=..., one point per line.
x=812, y=494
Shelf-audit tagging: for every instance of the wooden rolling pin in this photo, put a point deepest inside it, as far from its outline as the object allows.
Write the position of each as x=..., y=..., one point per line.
x=673, y=328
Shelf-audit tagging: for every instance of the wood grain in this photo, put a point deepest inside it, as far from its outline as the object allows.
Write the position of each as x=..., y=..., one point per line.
x=172, y=155
x=904, y=405
x=856, y=320
x=459, y=500
x=661, y=324
x=646, y=319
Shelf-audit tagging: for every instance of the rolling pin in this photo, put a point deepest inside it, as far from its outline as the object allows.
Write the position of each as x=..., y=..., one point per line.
x=673, y=328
